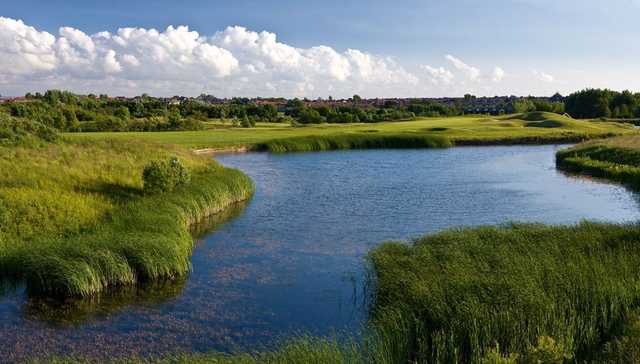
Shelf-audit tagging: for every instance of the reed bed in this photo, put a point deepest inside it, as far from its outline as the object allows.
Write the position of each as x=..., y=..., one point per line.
x=352, y=141
x=455, y=296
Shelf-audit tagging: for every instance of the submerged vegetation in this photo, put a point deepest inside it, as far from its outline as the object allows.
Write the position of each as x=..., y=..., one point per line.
x=74, y=219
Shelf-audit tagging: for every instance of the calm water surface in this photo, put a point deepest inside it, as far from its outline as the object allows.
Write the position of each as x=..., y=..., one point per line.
x=291, y=260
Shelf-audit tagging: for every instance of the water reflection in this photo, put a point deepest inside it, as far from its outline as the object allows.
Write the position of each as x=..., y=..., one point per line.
x=75, y=311
x=61, y=311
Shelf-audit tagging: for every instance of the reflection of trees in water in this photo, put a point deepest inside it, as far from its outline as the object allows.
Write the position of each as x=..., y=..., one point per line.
x=73, y=310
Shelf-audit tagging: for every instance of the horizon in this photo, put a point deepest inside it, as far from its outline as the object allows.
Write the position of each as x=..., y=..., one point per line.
x=373, y=49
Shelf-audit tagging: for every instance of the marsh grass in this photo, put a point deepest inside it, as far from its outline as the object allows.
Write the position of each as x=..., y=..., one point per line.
x=452, y=296
x=617, y=159
x=352, y=141
x=74, y=220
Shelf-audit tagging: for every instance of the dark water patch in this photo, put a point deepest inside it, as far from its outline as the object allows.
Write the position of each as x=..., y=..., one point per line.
x=291, y=261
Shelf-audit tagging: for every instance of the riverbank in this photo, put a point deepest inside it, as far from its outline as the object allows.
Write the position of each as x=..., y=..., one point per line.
x=616, y=159
x=530, y=128
x=75, y=220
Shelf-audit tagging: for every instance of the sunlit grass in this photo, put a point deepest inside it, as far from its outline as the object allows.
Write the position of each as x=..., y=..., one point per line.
x=74, y=219
x=462, y=130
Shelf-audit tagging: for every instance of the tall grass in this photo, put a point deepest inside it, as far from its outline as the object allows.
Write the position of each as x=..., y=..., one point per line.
x=454, y=296
x=74, y=220
x=617, y=159
x=560, y=138
x=352, y=141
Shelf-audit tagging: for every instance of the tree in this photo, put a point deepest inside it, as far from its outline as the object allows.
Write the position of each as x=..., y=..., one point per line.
x=122, y=113
x=310, y=116
x=174, y=118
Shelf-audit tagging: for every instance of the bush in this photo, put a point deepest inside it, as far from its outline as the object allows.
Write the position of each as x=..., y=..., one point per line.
x=23, y=131
x=164, y=176
x=547, y=351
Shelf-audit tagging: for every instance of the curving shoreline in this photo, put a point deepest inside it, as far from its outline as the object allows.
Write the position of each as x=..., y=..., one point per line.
x=126, y=237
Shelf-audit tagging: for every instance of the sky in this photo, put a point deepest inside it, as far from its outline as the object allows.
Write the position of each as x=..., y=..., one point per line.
x=412, y=48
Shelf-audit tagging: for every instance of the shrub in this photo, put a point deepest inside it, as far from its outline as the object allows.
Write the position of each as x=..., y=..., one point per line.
x=164, y=176
x=547, y=351
x=494, y=356
x=23, y=131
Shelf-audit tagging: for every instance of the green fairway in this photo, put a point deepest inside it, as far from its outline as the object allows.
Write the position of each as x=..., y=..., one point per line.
x=467, y=129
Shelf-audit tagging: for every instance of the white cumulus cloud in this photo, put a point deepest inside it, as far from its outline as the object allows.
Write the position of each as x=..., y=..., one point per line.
x=471, y=72
x=439, y=75
x=234, y=61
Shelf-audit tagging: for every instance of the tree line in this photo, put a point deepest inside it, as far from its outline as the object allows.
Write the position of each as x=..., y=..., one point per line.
x=70, y=112
x=603, y=103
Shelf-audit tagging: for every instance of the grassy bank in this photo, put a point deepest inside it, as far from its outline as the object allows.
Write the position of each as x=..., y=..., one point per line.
x=617, y=159
x=457, y=295
x=352, y=141
x=74, y=219
x=539, y=128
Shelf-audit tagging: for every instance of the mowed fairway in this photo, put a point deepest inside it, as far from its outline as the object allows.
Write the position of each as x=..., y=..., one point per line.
x=457, y=129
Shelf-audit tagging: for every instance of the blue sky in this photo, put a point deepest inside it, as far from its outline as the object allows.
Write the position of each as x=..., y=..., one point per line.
x=540, y=46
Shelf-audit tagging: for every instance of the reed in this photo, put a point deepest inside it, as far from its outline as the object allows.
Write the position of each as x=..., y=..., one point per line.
x=455, y=296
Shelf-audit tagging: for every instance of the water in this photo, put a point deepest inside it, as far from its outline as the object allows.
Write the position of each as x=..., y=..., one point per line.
x=291, y=260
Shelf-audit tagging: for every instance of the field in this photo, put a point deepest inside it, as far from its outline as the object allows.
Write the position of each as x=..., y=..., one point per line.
x=523, y=128
x=74, y=219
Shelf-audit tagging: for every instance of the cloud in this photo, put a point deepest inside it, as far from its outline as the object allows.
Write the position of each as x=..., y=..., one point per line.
x=234, y=61
x=544, y=77
x=25, y=50
x=439, y=76
x=471, y=72
x=498, y=74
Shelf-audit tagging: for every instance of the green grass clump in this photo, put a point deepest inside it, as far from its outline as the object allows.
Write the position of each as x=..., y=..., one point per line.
x=353, y=141
x=617, y=159
x=74, y=219
x=452, y=297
